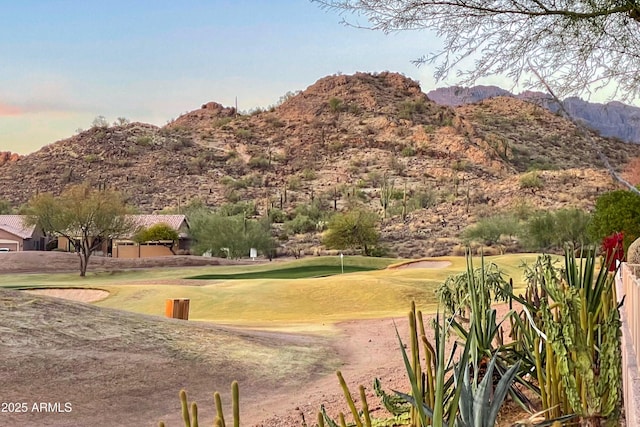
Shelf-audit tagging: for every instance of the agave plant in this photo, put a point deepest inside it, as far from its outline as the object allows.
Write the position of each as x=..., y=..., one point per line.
x=484, y=332
x=479, y=403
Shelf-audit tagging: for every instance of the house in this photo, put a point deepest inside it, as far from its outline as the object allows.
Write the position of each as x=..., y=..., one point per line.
x=127, y=248
x=16, y=236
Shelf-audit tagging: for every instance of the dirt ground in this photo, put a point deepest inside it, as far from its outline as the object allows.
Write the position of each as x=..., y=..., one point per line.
x=95, y=366
x=57, y=262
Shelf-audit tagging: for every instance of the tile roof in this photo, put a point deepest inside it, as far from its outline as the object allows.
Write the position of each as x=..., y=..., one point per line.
x=174, y=221
x=14, y=224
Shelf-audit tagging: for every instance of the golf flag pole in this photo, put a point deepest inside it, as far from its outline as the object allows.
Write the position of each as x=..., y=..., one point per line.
x=342, y=262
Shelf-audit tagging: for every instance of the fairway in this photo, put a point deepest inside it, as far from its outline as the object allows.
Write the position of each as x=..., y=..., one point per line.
x=305, y=294
x=288, y=273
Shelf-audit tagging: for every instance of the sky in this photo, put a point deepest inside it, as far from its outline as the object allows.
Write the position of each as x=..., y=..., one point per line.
x=65, y=62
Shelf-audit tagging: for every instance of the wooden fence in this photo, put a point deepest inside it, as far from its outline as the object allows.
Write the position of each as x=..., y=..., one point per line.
x=628, y=286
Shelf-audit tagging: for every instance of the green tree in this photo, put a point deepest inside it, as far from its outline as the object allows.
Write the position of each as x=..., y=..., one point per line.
x=232, y=236
x=539, y=232
x=490, y=229
x=553, y=229
x=572, y=226
x=85, y=216
x=575, y=45
x=353, y=229
x=614, y=212
x=160, y=232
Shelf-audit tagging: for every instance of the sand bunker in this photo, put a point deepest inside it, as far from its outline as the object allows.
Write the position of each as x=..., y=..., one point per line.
x=81, y=295
x=425, y=264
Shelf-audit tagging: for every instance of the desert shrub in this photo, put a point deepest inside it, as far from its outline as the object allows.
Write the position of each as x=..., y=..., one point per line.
x=408, y=151
x=221, y=121
x=232, y=195
x=231, y=235
x=531, y=180
x=259, y=162
x=300, y=224
x=92, y=158
x=243, y=133
x=429, y=129
x=522, y=209
x=375, y=178
x=277, y=216
x=294, y=183
x=316, y=210
x=407, y=109
x=489, y=230
x=161, y=231
x=422, y=199
x=397, y=166
x=196, y=165
x=144, y=141
x=5, y=207
x=552, y=229
x=355, y=109
x=237, y=208
x=335, y=105
x=460, y=165
x=100, y=122
x=309, y=174
x=616, y=211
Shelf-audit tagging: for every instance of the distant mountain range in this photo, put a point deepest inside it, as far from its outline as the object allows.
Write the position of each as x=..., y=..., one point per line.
x=613, y=119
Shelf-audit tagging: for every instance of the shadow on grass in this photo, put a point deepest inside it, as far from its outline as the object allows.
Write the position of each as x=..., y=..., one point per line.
x=288, y=273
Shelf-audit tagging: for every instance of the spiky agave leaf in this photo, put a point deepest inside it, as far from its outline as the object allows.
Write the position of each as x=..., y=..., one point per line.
x=477, y=407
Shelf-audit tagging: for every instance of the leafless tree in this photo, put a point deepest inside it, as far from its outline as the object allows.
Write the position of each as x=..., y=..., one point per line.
x=577, y=46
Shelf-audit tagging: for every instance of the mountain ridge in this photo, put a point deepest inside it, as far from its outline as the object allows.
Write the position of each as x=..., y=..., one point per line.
x=611, y=119
x=340, y=143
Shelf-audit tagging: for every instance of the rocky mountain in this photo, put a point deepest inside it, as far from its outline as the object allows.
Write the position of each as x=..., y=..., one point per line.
x=613, y=119
x=346, y=140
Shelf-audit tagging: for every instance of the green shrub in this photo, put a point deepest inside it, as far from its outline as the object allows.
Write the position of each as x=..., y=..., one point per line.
x=335, y=105
x=294, y=183
x=614, y=212
x=531, y=180
x=244, y=133
x=259, y=162
x=408, y=151
x=489, y=230
x=300, y=224
x=237, y=208
x=422, y=199
x=552, y=229
x=277, y=216
x=309, y=174
x=144, y=141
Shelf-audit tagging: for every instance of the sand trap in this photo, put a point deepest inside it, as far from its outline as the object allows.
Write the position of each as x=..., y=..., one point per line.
x=425, y=264
x=82, y=295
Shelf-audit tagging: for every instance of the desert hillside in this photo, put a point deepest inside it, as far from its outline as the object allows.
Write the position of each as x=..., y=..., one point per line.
x=339, y=141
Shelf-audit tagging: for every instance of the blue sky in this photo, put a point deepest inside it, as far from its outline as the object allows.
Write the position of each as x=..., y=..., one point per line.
x=66, y=62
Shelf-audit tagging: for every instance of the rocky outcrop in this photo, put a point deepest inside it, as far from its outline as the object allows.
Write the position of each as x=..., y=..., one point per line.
x=455, y=96
x=8, y=156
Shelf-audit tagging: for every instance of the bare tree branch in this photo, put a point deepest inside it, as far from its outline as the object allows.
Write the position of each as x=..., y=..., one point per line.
x=578, y=46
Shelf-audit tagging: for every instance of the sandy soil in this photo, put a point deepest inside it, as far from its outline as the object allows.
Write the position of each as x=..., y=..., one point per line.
x=80, y=295
x=424, y=264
